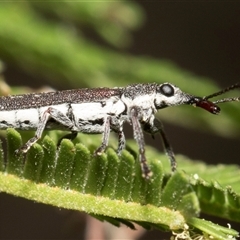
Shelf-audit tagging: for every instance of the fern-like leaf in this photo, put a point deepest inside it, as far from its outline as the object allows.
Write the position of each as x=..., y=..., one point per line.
x=112, y=188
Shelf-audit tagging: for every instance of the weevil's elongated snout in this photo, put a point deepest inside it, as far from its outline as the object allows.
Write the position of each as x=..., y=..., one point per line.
x=211, y=106
x=205, y=104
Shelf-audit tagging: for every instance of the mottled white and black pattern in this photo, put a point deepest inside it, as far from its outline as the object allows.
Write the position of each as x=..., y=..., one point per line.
x=100, y=110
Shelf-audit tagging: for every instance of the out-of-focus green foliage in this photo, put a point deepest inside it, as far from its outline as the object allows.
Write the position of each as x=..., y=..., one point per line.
x=57, y=49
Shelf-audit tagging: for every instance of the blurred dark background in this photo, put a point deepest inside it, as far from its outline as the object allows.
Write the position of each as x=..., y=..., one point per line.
x=201, y=37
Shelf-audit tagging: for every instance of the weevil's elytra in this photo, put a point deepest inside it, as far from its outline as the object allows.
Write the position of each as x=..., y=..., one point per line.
x=102, y=110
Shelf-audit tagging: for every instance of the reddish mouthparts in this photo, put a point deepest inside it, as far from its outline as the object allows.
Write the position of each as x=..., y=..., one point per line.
x=205, y=104
x=209, y=106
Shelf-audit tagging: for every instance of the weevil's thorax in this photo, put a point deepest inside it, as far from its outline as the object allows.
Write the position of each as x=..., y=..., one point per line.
x=141, y=97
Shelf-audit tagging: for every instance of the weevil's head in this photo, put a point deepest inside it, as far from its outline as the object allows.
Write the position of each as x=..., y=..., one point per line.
x=169, y=95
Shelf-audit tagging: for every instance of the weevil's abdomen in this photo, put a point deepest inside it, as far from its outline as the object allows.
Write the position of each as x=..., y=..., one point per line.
x=26, y=119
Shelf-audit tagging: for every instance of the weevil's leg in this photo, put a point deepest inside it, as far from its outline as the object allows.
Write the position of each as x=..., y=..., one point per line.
x=105, y=138
x=71, y=136
x=121, y=140
x=138, y=136
x=169, y=150
x=49, y=113
x=158, y=127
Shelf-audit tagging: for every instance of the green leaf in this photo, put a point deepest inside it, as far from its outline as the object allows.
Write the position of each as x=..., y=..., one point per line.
x=14, y=162
x=49, y=161
x=213, y=231
x=33, y=163
x=112, y=189
x=88, y=197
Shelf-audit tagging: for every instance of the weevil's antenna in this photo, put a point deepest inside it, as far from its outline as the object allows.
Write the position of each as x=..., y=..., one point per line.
x=232, y=87
x=234, y=99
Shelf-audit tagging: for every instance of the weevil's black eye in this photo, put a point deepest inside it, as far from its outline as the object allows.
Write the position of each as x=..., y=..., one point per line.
x=167, y=90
